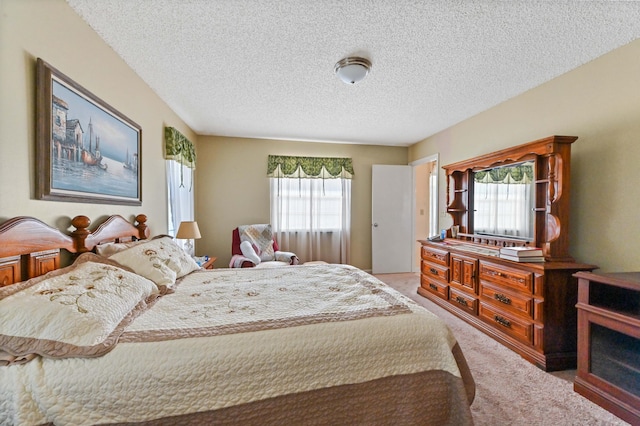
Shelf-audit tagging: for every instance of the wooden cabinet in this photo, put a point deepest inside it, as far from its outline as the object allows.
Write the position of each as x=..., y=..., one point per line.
x=609, y=342
x=551, y=159
x=528, y=307
x=463, y=272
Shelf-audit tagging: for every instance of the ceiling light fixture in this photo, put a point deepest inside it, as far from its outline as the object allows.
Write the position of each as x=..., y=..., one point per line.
x=352, y=70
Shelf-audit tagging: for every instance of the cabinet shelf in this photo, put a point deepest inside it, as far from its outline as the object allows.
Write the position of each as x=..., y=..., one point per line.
x=540, y=322
x=552, y=161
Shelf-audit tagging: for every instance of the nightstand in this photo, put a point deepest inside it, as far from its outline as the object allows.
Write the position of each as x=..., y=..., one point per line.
x=209, y=263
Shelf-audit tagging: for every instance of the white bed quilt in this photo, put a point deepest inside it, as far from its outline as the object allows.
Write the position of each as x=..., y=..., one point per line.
x=230, y=336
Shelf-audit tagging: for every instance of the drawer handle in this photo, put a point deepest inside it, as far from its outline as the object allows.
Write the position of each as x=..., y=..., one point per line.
x=509, y=277
x=433, y=271
x=496, y=273
x=502, y=298
x=462, y=301
x=433, y=287
x=502, y=321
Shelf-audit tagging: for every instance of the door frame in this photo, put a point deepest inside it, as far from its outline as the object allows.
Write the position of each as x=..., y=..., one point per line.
x=433, y=202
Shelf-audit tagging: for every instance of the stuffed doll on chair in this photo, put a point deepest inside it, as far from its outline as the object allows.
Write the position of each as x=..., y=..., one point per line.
x=254, y=245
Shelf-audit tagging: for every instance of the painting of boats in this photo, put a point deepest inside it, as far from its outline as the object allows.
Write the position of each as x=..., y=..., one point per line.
x=92, y=157
x=131, y=162
x=90, y=150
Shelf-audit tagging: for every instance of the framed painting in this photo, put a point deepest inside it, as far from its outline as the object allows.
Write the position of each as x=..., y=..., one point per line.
x=86, y=151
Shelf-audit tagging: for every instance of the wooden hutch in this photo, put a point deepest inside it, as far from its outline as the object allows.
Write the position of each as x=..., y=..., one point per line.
x=528, y=307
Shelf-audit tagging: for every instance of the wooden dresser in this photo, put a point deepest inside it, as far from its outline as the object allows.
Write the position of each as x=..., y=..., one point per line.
x=528, y=307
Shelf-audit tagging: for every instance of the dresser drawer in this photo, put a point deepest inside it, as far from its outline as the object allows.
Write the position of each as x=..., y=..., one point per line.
x=435, y=271
x=518, y=280
x=514, y=302
x=463, y=301
x=509, y=324
x=437, y=288
x=433, y=255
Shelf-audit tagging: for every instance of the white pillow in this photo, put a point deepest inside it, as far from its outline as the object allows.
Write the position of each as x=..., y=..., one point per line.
x=180, y=261
x=108, y=249
x=161, y=260
x=78, y=311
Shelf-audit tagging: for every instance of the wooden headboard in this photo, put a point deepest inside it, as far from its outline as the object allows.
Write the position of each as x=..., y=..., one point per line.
x=30, y=248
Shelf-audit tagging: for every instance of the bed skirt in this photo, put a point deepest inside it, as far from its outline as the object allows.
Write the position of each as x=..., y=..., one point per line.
x=426, y=398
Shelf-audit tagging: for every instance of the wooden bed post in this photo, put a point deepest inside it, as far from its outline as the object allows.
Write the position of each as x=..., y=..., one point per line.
x=81, y=223
x=141, y=220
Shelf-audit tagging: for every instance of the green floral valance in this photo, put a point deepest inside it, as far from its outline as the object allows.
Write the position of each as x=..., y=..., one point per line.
x=521, y=173
x=284, y=166
x=179, y=148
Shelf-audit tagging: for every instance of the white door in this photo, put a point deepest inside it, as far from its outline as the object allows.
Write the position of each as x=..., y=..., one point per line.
x=391, y=225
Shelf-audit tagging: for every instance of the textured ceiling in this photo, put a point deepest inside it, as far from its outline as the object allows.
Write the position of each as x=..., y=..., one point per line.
x=264, y=68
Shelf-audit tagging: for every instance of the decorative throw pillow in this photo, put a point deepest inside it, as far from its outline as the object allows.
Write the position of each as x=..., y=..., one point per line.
x=78, y=311
x=150, y=261
x=180, y=261
x=109, y=249
x=161, y=260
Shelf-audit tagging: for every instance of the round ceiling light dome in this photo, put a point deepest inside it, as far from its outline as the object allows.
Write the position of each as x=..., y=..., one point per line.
x=352, y=70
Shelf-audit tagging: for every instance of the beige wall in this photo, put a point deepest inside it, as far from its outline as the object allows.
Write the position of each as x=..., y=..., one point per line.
x=233, y=188
x=598, y=102
x=50, y=29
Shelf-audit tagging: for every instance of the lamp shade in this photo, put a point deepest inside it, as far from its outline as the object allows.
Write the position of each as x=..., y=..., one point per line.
x=352, y=70
x=188, y=230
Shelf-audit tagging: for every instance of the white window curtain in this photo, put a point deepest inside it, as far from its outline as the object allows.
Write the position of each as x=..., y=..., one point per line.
x=181, y=200
x=502, y=197
x=180, y=158
x=505, y=208
x=312, y=217
x=311, y=206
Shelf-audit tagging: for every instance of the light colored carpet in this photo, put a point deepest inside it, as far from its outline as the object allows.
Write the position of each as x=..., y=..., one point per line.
x=509, y=389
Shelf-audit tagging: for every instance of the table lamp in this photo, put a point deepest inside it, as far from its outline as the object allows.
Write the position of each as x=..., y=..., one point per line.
x=188, y=230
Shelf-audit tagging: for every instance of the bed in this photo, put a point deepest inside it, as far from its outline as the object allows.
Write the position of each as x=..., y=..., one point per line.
x=126, y=329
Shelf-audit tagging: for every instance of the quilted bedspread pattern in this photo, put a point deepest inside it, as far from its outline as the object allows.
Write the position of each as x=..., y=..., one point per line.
x=228, y=337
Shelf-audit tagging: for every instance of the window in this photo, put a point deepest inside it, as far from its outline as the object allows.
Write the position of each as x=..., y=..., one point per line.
x=311, y=206
x=181, y=162
x=180, y=190
x=306, y=204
